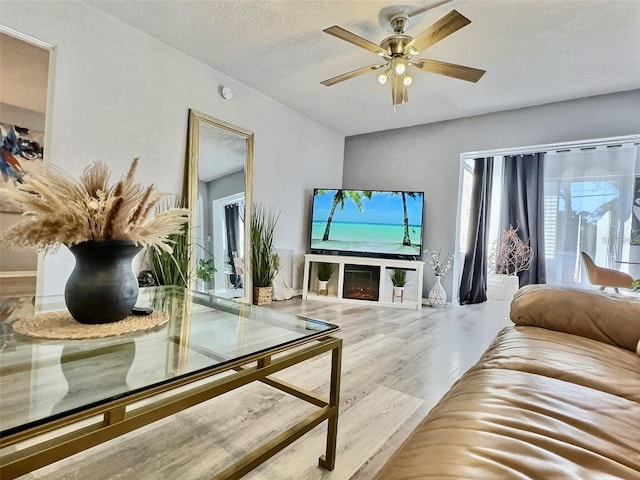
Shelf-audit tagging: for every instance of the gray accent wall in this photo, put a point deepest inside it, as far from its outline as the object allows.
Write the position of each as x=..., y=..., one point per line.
x=226, y=186
x=222, y=187
x=427, y=157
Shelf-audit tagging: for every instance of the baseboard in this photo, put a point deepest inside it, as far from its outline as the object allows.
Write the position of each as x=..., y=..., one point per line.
x=17, y=283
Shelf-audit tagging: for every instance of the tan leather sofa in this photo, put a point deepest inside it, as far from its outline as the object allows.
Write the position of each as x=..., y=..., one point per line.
x=556, y=396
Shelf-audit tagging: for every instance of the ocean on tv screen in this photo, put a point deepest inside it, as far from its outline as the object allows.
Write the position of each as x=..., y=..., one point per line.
x=365, y=237
x=367, y=222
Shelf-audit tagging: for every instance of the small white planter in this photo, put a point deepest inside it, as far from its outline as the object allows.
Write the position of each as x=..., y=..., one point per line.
x=502, y=287
x=323, y=287
x=398, y=292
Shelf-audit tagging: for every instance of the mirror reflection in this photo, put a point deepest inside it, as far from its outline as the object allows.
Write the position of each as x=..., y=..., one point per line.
x=24, y=77
x=220, y=157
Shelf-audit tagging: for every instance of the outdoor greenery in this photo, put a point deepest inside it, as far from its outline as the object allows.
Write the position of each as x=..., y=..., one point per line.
x=264, y=259
x=398, y=277
x=635, y=286
x=325, y=270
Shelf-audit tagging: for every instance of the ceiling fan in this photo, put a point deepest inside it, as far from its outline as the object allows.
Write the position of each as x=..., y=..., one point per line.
x=398, y=49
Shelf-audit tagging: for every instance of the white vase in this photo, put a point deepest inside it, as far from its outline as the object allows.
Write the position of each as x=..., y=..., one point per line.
x=437, y=294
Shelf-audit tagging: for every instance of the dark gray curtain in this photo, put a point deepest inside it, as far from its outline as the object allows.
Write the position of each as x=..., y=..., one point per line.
x=231, y=223
x=523, y=206
x=473, y=285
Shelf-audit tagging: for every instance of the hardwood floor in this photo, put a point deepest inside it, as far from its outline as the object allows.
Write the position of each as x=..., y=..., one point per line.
x=396, y=365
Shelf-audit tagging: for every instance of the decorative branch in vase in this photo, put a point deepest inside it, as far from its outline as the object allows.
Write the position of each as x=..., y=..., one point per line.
x=437, y=294
x=103, y=226
x=509, y=256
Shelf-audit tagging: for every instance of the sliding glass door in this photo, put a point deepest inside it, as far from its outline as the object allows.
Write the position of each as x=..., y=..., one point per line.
x=588, y=199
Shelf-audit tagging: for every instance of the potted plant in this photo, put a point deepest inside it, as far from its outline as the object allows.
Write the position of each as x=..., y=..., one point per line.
x=103, y=225
x=509, y=256
x=437, y=294
x=264, y=259
x=398, y=278
x=324, y=272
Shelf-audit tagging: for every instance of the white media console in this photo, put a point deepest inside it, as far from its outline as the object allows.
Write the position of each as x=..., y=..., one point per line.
x=364, y=279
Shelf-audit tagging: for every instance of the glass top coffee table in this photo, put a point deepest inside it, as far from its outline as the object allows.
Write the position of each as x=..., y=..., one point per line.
x=98, y=389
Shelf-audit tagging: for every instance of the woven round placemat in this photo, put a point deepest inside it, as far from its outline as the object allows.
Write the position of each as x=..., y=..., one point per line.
x=61, y=326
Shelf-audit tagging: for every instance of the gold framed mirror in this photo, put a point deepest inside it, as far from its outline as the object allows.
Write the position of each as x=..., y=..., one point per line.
x=220, y=196
x=25, y=100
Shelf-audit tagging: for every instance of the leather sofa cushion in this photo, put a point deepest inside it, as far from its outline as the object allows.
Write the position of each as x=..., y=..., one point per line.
x=610, y=319
x=538, y=404
x=506, y=424
x=567, y=357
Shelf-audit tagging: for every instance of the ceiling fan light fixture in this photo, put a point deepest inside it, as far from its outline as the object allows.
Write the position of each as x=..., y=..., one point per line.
x=398, y=50
x=398, y=64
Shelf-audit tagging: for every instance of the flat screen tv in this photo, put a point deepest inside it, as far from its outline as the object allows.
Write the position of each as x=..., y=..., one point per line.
x=374, y=223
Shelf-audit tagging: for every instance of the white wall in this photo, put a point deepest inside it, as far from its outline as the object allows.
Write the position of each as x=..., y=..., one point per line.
x=119, y=93
x=427, y=157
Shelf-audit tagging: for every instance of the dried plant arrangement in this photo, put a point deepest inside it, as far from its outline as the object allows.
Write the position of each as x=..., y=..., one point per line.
x=510, y=255
x=60, y=210
x=440, y=267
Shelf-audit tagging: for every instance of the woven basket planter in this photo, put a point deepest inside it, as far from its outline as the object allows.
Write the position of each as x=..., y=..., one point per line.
x=262, y=295
x=502, y=287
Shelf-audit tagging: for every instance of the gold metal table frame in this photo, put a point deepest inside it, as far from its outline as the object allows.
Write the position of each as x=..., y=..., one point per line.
x=114, y=418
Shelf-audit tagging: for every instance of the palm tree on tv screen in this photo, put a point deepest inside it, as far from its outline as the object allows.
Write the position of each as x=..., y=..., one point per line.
x=339, y=199
x=406, y=240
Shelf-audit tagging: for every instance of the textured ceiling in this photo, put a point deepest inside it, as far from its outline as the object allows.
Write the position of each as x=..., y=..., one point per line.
x=219, y=153
x=534, y=52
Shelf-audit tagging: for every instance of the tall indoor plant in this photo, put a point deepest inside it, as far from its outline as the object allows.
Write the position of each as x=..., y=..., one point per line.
x=264, y=259
x=103, y=225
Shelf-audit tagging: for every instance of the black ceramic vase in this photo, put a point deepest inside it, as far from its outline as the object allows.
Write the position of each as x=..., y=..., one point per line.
x=102, y=287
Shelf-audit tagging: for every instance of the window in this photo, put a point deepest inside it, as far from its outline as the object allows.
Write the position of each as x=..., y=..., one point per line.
x=587, y=202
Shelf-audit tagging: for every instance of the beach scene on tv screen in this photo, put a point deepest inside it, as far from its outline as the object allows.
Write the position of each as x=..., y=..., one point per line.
x=363, y=221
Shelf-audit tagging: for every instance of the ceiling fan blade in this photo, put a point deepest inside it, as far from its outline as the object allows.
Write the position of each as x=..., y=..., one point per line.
x=450, y=23
x=347, y=36
x=450, y=69
x=398, y=91
x=348, y=75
